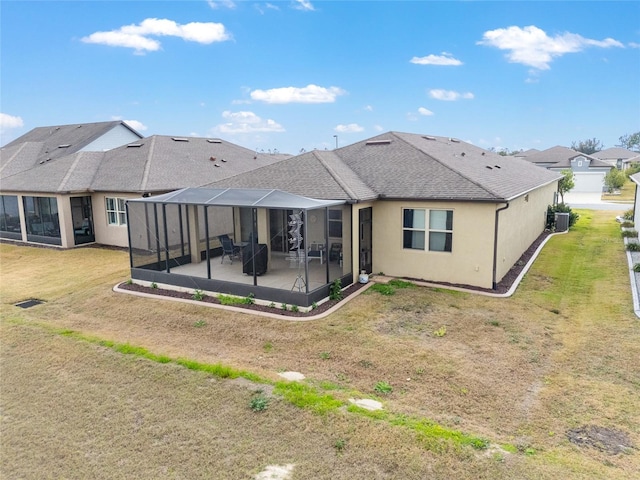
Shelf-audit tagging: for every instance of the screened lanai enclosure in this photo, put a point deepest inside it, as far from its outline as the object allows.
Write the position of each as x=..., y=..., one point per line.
x=276, y=246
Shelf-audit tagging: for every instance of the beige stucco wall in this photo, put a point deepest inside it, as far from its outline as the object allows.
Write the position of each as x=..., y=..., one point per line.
x=106, y=234
x=469, y=262
x=520, y=225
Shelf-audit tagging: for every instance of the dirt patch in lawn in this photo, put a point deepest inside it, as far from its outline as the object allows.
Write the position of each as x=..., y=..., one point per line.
x=608, y=440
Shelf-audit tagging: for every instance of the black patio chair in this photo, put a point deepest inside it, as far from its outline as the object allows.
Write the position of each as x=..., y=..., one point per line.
x=228, y=248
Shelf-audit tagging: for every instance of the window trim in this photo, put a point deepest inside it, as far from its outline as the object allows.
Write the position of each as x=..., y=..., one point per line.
x=427, y=230
x=119, y=211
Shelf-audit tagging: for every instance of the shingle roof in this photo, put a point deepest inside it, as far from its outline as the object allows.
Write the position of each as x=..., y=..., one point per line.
x=560, y=157
x=152, y=164
x=400, y=165
x=316, y=174
x=614, y=153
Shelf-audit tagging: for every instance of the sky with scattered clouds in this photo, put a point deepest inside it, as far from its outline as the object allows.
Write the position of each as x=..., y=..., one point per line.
x=295, y=75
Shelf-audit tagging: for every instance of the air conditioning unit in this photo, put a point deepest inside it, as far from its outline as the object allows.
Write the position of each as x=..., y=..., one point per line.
x=562, y=221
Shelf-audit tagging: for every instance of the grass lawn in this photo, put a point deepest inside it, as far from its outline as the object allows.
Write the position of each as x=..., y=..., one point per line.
x=627, y=194
x=96, y=384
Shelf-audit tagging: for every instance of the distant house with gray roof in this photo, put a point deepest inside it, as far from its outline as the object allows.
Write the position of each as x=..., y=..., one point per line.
x=618, y=157
x=67, y=185
x=589, y=171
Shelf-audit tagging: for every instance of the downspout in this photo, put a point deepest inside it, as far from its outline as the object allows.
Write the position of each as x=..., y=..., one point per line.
x=495, y=245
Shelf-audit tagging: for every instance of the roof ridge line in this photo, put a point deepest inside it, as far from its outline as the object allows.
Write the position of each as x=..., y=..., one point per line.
x=24, y=144
x=482, y=187
x=335, y=176
x=147, y=165
x=70, y=170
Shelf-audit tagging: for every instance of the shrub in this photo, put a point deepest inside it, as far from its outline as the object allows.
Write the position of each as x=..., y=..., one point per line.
x=636, y=267
x=335, y=290
x=629, y=233
x=633, y=247
x=628, y=215
x=198, y=295
x=560, y=208
x=154, y=285
x=627, y=224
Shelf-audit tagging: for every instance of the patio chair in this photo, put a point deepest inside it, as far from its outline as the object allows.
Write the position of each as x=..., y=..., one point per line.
x=228, y=248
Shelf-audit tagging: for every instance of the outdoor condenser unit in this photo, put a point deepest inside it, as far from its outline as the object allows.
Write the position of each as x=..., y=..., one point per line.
x=562, y=221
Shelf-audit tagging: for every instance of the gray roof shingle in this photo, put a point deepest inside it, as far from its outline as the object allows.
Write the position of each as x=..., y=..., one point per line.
x=560, y=157
x=152, y=164
x=400, y=165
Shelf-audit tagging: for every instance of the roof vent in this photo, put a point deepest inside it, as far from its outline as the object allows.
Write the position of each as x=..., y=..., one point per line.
x=482, y=154
x=64, y=145
x=216, y=164
x=213, y=140
x=427, y=137
x=454, y=140
x=489, y=167
x=213, y=159
x=179, y=139
x=223, y=160
x=497, y=166
x=135, y=145
x=378, y=142
x=462, y=154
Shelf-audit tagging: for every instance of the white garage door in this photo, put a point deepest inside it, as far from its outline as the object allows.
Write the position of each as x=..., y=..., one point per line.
x=587, y=182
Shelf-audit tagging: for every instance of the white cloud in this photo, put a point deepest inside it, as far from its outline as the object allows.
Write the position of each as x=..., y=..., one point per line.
x=136, y=125
x=10, y=121
x=246, y=122
x=449, y=95
x=303, y=5
x=444, y=59
x=308, y=94
x=137, y=36
x=533, y=47
x=633, y=45
x=221, y=3
x=351, y=128
x=378, y=128
x=368, y=108
x=424, y=111
x=267, y=6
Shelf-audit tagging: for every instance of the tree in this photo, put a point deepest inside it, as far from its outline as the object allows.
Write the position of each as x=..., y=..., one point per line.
x=614, y=180
x=566, y=183
x=588, y=146
x=630, y=142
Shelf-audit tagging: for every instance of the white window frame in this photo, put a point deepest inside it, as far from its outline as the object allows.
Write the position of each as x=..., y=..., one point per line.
x=427, y=231
x=116, y=211
x=446, y=231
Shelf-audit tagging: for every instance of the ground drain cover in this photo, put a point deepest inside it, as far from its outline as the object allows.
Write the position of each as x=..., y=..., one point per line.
x=29, y=303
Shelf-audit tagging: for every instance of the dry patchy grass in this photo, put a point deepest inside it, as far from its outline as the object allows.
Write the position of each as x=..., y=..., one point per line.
x=563, y=352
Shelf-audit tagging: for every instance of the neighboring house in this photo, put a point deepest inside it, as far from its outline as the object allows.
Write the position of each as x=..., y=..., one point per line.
x=589, y=172
x=409, y=205
x=618, y=157
x=67, y=185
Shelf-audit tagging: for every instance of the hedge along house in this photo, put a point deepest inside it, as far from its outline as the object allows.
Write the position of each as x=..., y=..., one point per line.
x=415, y=206
x=67, y=185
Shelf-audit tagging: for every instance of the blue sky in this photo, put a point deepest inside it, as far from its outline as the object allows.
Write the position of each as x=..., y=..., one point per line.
x=293, y=75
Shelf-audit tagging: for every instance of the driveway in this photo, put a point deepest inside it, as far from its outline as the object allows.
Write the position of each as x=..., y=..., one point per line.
x=592, y=201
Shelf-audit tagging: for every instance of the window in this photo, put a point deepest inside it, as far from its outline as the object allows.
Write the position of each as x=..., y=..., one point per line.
x=9, y=217
x=335, y=223
x=116, y=212
x=41, y=215
x=440, y=230
x=414, y=229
